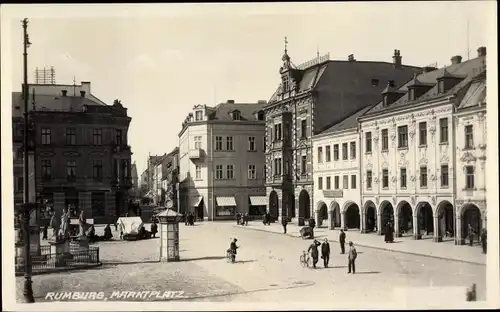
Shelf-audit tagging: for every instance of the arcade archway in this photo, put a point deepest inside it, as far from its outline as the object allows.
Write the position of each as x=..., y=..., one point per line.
x=304, y=205
x=471, y=219
x=335, y=209
x=291, y=212
x=386, y=212
x=446, y=221
x=352, y=216
x=405, y=219
x=322, y=212
x=425, y=220
x=370, y=217
x=273, y=205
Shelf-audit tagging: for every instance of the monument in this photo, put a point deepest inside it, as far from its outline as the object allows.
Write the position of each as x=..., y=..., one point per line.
x=169, y=235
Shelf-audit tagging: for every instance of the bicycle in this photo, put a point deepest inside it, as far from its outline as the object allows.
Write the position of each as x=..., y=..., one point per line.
x=229, y=255
x=305, y=260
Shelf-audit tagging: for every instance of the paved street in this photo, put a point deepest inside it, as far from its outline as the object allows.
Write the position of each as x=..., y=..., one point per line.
x=268, y=269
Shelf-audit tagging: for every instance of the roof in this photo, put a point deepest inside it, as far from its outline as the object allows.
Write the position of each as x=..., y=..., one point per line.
x=348, y=123
x=350, y=76
x=50, y=103
x=466, y=71
x=476, y=94
x=247, y=111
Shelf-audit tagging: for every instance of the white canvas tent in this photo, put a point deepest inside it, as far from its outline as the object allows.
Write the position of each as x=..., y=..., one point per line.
x=130, y=225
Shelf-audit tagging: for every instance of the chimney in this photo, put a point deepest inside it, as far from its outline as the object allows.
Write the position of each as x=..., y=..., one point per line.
x=261, y=102
x=82, y=93
x=481, y=51
x=396, y=58
x=64, y=92
x=230, y=101
x=457, y=59
x=351, y=58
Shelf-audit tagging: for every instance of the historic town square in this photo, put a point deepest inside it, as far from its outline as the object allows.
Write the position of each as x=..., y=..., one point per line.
x=222, y=158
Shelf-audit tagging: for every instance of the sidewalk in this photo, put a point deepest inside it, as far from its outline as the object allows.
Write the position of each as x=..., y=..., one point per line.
x=426, y=248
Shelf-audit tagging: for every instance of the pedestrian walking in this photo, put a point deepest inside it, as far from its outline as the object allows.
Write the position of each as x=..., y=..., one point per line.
x=246, y=217
x=284, y=223
x=483, y=240
x=352, y=258
x=389, y=233
x=325, y=252
x=342, y=241
x=238, y=218
x=313, y=249
x=470, y=235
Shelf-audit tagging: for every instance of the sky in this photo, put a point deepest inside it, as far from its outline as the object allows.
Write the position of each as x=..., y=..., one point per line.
x=161, y=60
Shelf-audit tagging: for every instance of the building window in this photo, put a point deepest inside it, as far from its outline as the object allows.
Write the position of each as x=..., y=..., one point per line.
x=303, y=164
x=197, y=172
x=443, y=130
x=303, y=128
x=70, y=136
x=422, y=133
x=236, y=115
x=368, y=138
x=97, y=170
x=46, y=169
x=336, y=152
x=97, y=137
x=385, y=178
x=369, y=179
x=423, y=177
x=385, y=139
x=71, y=169
x=218, y=172
x=353, y=150
x=20, y=184
x=251, y=172
x=403, y=177
x=336, y=182
x=197, y=142
x=320, y=183
x=285, y=84
x=229, y=143
x=328, y=183
x=345, y=156
x=46, y=136
x=199, y=115
x=345, y=182
x=328, y=153
x=277, y=132
x=469, y=177
x=320, y=154
x=277, y=166
x=353, y=181
x=402, y=136
x=251, y=143
x=218, y=143
x=230, y=172
x=469, y=137
x=441, y=86
x=260, y=115
x=118, y=137
x=444, y=176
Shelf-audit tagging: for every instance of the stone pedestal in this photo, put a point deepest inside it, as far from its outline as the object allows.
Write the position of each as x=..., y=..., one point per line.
x=61, y=252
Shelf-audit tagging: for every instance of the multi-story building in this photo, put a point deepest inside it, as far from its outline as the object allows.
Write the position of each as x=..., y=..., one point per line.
x=221, y=158
x=408, y=147
x=311, y=98
x=337, y=194
x=470, y=158
x=82, y=152
x=135, y=180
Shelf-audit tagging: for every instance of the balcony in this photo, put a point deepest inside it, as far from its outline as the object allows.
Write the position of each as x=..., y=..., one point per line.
x=195, y=153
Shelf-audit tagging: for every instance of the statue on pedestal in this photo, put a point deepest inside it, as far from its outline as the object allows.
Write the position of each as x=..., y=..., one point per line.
x=64, y=230
x=55, y=224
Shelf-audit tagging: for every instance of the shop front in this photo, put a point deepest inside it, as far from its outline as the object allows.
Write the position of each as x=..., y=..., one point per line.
x=225, y=208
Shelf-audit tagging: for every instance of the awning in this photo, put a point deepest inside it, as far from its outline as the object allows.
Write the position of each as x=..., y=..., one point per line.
x=225, y=201
x=196, y=201
x=258, y=200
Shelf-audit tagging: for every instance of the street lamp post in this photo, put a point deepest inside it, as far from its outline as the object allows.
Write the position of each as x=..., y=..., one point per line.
x=28, y=290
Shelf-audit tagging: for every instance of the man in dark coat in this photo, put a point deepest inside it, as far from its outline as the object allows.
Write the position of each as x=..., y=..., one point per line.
x=342, y=241
x=233, y=249
x=313, y=249
x=470, y=234
x=483, y=240
x=284, y=223
x=107, y=232
x=389, y=233
x=312, y=225
x=325, y=252
x=154, y=228
x=352, y=258
x=264, y=219
x=238, y=218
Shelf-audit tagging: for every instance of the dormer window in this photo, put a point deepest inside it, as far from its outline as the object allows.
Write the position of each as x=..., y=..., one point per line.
x=236, y=115
x=199, y=115
x=285, y=84
x=441, y=86
x=260, y=115
x=411, y=94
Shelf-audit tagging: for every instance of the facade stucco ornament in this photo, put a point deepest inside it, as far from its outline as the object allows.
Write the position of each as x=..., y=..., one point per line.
x=413, y=200
x=468, y=157
x=481, y=117
x=432, y=130
x=423, y=161
x=394, y=179
x=433, y=200
x=482, y=146
x=413, y=178
x=394, y=201
x=393, y=137
x=393, y=121
x=376, y=180
x=412, y=116
x=444, y=158
x=369, y=165
x=375, y=139
x=411, y=133
x=377, y=200
x=385, y=164
x=433, y=177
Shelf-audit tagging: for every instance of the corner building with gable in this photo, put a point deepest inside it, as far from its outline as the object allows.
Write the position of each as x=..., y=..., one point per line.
x=309, y=99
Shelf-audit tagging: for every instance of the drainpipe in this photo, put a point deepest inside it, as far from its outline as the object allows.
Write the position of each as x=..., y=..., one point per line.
x=212, y=169
x=458, y=234
x=363, y=211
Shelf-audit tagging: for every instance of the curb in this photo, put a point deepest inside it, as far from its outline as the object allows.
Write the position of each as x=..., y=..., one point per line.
x=376, y=247
x=84, y=267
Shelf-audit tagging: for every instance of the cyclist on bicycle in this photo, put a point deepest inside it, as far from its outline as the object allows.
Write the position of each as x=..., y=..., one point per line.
x=233, y=248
